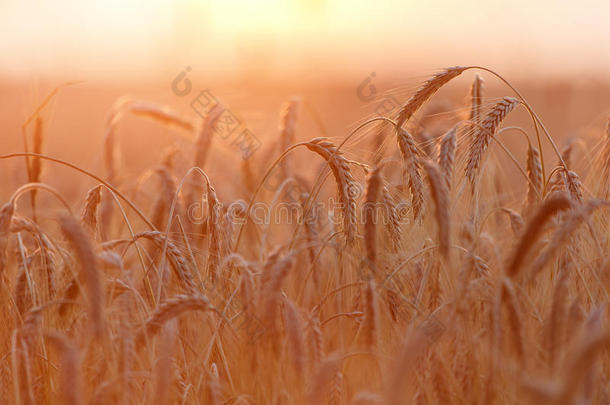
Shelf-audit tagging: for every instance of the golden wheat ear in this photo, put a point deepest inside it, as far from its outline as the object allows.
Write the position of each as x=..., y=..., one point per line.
x=485, y=132
x=88, y=269
x=426, y=91
x=440, y=197
x=346, y=185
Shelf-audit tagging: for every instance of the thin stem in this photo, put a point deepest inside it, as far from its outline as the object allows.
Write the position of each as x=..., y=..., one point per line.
x=535, y=118
x=93, y=176
x=258, y=188
x=39, y=186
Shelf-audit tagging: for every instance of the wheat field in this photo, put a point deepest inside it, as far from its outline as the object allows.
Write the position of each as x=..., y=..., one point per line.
x=381, y=266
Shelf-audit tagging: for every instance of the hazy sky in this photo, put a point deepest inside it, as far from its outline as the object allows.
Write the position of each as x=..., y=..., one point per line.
x=136, y=38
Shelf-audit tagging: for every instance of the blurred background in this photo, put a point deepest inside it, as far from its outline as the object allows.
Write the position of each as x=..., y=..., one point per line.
x=309, y=39
x=254, y=55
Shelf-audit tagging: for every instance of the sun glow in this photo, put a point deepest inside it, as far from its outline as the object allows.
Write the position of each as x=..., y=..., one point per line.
x=127, y=36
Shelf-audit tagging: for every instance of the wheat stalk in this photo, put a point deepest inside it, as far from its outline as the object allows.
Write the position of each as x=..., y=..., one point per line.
x=534, y=173
x=485, y=132
x=174, y=255
x=288, y=120
x=163, y=114
x=573, y=185
x=509, y=299
x=446, y=155
x=164, y=198
x=426, y=91
x=315, y=341
x=323, y=374
x=410, y=154
x=89, y=215
x=563, y=233
x=89, y=272
x=440, y=196
x=547, y=210
x=392, y=218
x=476, y=99
x=214, y=224
x=294, y=335
x=71, y=384
x=276, y=270
x=335, y=396
x=6, y=214
x=373, y=188
x=346, y=184
x=203, y=143
x=163, y=368
x=213, y=386
x=516, y=221
x=170, y=309
x=35, y=166
x=556, y=326
x=370, y=325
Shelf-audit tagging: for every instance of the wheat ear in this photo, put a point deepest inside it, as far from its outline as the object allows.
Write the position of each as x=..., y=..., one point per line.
x=534, y=173
x=516, y=221
x=373, y=188
x=426, y=91
x=294, y=335
x=509, y=298
x=89, y=272
x=70, y=375
x=440, y=196
x=203, y=142
x=315, y=341
x=214, y=224
x=562, y=234
x=392, y=218
x=89, y=215
x=410, y=154
x=213, y=386
x=556, y=326
x=446, y=155
x=573, y=185
x=476, y=99
x=6, y=214
x=485, y=132
x=171, y=309
x=177, y=259
x=163, y=114
x=547, y=210
x=346, y=185
x=288, y=120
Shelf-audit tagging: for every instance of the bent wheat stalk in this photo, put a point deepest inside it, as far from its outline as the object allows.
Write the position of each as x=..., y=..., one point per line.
x=171, y=309
x=426, y=91
x=547, y=210
x=346, y=185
